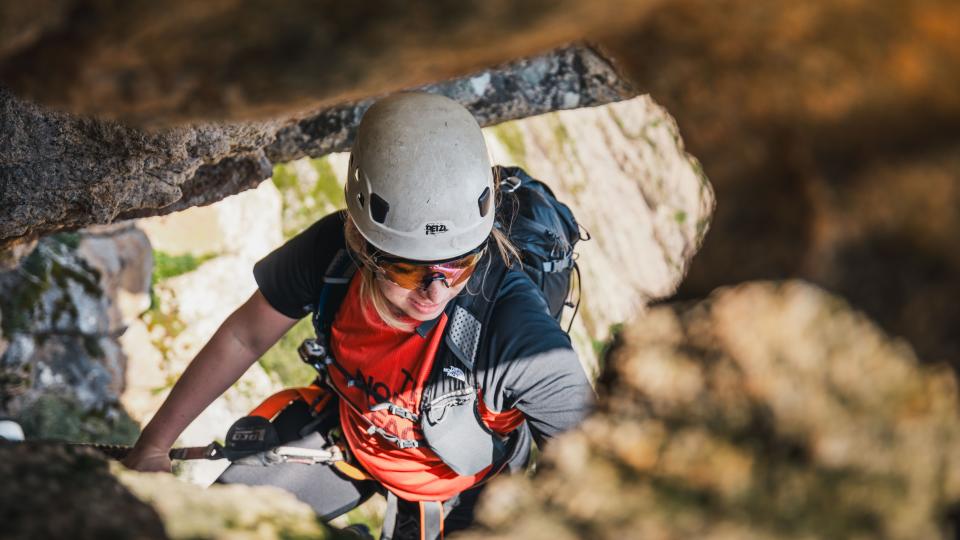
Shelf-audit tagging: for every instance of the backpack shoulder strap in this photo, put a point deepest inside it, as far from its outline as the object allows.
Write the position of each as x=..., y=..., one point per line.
x=336, y=281
x=471, y=315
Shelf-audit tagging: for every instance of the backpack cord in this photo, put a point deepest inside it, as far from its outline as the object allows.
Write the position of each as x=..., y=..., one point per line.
x=576, y=268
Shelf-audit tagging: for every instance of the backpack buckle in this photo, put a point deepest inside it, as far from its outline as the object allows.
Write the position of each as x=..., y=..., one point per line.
x=510, y=184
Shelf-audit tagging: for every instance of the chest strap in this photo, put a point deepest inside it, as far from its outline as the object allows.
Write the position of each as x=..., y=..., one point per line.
x=317, y=355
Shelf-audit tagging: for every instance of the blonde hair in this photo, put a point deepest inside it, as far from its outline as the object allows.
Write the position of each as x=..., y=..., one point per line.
x=371, y=294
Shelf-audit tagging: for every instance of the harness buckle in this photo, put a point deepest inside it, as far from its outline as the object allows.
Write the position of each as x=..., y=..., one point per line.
x=311, y=351
x=395, y=410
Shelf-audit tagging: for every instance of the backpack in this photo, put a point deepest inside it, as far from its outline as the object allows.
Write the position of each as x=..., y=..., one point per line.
x=545, y=232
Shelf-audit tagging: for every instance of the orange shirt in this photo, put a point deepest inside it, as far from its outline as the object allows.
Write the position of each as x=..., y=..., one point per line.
x=394, y=365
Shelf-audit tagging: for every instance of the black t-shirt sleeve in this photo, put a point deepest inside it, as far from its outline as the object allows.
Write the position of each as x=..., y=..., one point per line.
x=290, y=277
x=532, y=363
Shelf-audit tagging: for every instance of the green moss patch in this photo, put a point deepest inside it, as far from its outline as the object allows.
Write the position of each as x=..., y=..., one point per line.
x=283, y=360
x=512, y=138
x=61, y=418
x=307, y=198
x=52, y=264
x=166, y=266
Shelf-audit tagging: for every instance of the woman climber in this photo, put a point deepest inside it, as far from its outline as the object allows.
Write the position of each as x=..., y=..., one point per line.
x=443, y=362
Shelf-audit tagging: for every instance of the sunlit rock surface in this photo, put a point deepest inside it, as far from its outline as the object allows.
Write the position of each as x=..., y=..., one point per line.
x=623, y=170
x=54, y=491
x=769, y=410
x=224, y=512
x=122, y=256
x=218, y=245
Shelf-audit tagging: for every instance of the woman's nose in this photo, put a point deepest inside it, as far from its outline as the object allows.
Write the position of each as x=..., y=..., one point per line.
x=434, y=291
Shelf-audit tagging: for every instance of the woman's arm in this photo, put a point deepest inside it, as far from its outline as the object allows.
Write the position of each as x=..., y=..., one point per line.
x=531, y=360
x=246, y=334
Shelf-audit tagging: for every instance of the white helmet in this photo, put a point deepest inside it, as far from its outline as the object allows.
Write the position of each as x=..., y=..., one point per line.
x=419, y=185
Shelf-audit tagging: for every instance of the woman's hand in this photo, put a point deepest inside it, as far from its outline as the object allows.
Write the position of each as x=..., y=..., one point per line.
x=148, y=459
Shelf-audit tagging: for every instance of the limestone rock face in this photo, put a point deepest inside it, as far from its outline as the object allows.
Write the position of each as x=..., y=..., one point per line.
x=623, y=170
x=769, y=410
x=142, y=62
x=122, y=255
x=96, y=172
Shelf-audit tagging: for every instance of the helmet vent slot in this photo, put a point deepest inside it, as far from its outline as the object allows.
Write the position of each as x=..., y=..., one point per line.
x=378, y=208
x=484, y=202
x=360, y=199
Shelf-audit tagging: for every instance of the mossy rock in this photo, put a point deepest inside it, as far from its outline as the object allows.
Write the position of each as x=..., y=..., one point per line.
x=58, y=417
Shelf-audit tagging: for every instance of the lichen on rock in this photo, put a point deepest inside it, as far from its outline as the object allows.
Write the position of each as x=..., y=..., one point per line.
x=63, y=371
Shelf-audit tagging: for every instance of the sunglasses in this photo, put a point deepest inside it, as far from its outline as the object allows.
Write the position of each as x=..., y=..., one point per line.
x=419, y=275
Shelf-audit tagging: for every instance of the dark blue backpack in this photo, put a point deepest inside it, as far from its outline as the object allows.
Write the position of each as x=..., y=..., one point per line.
x=545, y=232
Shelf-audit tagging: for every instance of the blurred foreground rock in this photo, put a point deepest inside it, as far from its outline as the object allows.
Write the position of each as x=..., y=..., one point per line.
x=179, y=62
x=830, y=130
x=222, y=511
x=769, y=410
x=53, y=491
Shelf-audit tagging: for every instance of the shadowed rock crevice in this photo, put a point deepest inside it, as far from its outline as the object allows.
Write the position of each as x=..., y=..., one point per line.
x=95, y=171
x=802, y=114
x=181, y=61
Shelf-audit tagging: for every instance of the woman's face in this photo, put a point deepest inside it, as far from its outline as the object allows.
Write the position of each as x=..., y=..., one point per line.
x=419, y=304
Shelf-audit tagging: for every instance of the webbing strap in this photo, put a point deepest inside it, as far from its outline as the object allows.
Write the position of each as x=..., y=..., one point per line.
x=272, y=406
x=431, y=520
x=557, y=265
x=430, y=524
x=389, y=517
x=340, y=269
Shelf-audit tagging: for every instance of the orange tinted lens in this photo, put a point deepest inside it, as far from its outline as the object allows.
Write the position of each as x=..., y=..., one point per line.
x=413, y=276
x=408, y=276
